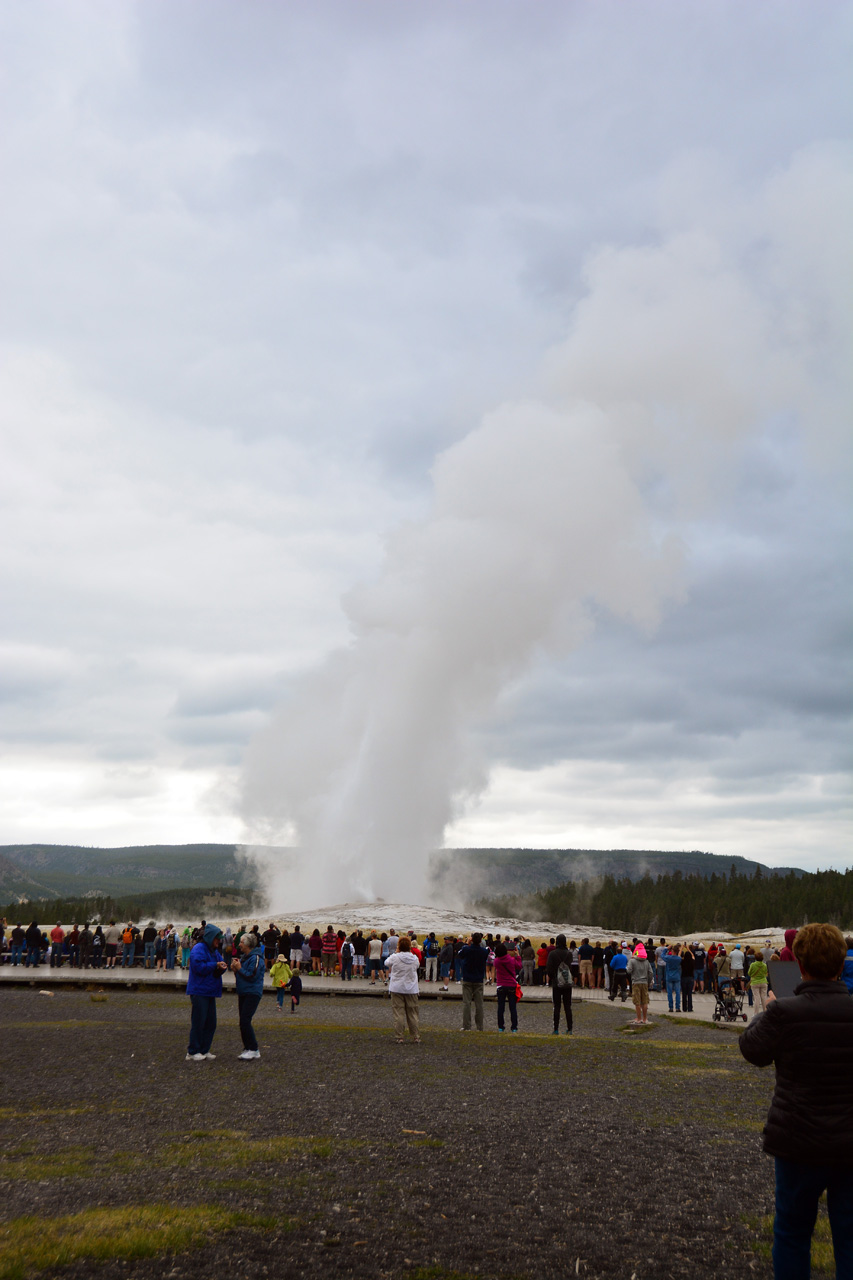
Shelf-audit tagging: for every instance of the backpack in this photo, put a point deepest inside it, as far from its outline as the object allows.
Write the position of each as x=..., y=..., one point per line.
x=564, y=974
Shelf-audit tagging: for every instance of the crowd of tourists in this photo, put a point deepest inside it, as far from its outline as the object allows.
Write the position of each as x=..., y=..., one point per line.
x=678, y=969
x=96, y=946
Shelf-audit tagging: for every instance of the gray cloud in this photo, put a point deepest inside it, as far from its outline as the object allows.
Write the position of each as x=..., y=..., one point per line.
x=265, y=264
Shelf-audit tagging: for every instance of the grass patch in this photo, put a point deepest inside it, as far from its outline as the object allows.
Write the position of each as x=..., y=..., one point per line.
x=441, y=1273
x=135, y=1231
x=426, y=1142
x=43, y=1113
x=823, y=1255
x=237, y=1149
x=73, y=1162
x=77, y=1109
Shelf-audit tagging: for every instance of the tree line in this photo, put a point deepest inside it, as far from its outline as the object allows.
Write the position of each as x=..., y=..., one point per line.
x=680, y=904
x=160, y=904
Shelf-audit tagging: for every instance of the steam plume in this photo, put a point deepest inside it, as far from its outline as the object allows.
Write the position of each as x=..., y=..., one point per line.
x=552, y=509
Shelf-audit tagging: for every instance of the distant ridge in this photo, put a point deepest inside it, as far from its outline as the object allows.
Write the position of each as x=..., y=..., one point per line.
x=73, y=870
x=53, y=870
x=481, y=873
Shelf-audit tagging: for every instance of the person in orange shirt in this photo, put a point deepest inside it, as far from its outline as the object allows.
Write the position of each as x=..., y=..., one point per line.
x=57, y=937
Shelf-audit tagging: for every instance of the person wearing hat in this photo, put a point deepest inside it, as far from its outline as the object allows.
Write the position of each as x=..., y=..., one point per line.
x=280, y=975
x=641, y=974
x=204, y=988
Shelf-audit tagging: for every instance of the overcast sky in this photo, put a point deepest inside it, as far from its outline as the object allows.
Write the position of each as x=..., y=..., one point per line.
x=266, y=271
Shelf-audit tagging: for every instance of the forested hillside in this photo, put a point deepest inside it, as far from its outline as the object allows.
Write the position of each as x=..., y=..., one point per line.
x=677, y=903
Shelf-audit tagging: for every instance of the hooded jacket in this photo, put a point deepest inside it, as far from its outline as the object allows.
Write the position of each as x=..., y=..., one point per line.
x=809, y=1038
x=250, y=976
x=205, y=978
x=786, y=953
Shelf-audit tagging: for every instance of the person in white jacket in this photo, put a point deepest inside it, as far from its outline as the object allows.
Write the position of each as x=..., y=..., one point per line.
x=403, y=987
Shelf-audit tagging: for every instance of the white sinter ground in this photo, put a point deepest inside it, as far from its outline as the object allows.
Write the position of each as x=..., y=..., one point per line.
x=443, y=920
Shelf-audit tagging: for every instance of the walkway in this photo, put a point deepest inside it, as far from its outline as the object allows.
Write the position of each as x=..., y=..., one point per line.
x=45, y=977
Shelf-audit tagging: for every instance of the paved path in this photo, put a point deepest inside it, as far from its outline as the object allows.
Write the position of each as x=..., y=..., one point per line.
x=45, y=977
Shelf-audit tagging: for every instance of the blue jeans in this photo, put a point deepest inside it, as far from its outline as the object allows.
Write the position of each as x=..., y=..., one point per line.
x=346, y=969
x=798, y=1189
x=507, y=994
x=202, y=1023
x=129, y=953
x=33, y=956
x=149, y=953
x=17, y=952
x=247, y=1003
x=170, y=958
x=56, y=955
x=673, y=988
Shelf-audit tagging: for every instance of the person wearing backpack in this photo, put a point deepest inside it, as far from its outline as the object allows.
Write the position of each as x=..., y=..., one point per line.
x=559, y=973
x=431, y=950
x=347, y=957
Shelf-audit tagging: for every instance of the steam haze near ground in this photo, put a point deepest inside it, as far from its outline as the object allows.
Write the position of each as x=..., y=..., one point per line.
x=556, y=508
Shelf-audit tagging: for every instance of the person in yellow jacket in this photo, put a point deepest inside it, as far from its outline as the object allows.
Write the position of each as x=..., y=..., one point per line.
x=280, y=973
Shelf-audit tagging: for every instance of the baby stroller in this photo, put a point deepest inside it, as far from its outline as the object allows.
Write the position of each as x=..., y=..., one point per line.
x=729, y=1002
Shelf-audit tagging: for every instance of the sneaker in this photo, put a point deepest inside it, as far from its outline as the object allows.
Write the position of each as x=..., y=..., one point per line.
x=195, y=1057
x=555, y=1032
x=513, y=1031
x=500, y=1028
x=210, y=1056
x=250, y=1053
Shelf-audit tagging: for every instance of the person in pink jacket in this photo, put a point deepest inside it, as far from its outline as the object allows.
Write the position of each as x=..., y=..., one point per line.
x=507, y=968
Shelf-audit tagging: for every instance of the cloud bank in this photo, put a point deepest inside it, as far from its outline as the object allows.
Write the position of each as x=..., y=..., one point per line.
x=265, y=267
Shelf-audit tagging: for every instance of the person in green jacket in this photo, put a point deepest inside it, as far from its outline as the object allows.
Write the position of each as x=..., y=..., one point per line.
x=280, y=974
x=758, y=983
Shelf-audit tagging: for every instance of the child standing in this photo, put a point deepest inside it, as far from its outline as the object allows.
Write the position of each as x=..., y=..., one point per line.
x=295, y=986
x=281, y=974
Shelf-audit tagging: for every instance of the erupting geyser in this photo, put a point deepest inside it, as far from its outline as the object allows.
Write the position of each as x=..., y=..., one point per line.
x=553, y=508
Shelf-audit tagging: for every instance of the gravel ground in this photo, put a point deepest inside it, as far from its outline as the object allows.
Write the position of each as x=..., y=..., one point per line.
x=610, y=1153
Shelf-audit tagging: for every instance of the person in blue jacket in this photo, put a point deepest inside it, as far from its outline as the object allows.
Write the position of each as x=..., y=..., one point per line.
x=249, y=968
x=847, y=971
x=672, y=962
x=204, y=987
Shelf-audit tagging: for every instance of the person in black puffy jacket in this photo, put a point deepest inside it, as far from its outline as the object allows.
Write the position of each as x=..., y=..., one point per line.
x=809, y=1129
